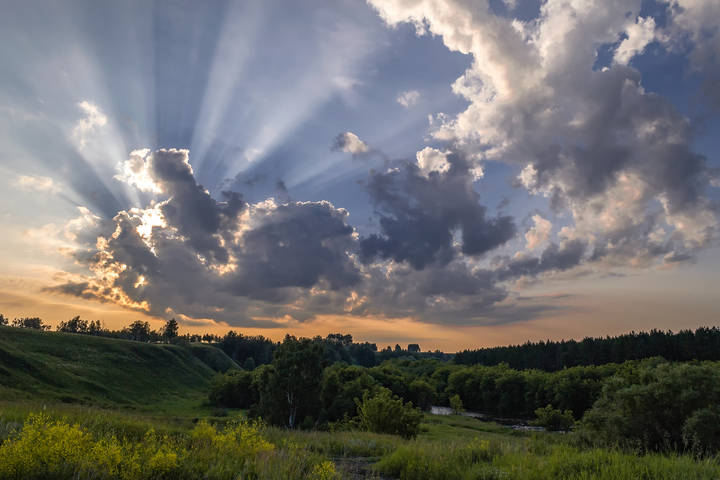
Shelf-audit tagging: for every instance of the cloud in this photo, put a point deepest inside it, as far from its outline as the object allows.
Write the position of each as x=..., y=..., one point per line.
x=408, y=98
x=91, y=122
x=37, y=183
x=592, y=141
x=639, y=35
x=697, y=20
x=539, y=233
x=553, y=258
x=420, y=214
x=205, y=258
x=268, y=263
x=348, y=142
x=432, y=160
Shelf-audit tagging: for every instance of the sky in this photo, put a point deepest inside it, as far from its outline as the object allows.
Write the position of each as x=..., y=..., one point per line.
x=453, y=173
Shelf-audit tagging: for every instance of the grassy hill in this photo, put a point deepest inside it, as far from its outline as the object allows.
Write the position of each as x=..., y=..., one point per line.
x=53, y=366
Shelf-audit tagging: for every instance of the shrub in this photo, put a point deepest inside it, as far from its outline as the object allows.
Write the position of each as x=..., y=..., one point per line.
x=658, y=406
x=386, y=413
x=456, y=404
x=553, y=419
x=701, y=432
x=234, y=389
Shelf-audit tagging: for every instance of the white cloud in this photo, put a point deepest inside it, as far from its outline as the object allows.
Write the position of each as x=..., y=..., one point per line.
x=136, y=171
x=539, y=233
x=91, y=122
x=583, y=135
x=409, y=98
x=639, y=35
x=348, y=142
x=37, y=183
x=432, y=160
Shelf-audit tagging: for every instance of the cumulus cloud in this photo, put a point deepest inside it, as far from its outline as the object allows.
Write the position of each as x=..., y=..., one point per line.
x=256, y=264
x=408, y=98
x=697, y=20
x=348, y=142
x=205, y=258
x=639, y=35
x=432, y=160
x=592, y=141
x=420, y=214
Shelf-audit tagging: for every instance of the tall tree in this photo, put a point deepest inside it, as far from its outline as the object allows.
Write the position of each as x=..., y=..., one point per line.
x=170, y=330
x=290, y=392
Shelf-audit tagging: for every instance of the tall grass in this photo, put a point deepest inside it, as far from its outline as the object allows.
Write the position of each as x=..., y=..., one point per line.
x=43, y=448
x=536, y=459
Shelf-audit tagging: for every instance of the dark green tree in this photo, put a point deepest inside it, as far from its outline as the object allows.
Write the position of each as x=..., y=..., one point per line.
x=655, y=405
x=341, y=385
x=234, y=389
x=249, y=364
x=290, y=391
x=138, y=331
x=553, y=419
x=170, y=329
x=422, y=394
x=30, y=322
x=74, y=325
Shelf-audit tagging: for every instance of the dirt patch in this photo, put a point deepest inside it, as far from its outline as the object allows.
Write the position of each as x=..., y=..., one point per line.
x=357, y=468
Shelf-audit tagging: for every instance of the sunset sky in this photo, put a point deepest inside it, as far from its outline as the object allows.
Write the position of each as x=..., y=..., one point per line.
x=454, y=173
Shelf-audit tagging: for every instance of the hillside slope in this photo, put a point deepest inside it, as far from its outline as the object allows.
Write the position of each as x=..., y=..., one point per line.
x=52, y=366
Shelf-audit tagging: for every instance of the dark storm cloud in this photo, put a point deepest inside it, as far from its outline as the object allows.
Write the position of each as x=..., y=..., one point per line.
x=191, y=209
x=217, y=259
x=295, y=245
x=419, y=216
x=553, y=258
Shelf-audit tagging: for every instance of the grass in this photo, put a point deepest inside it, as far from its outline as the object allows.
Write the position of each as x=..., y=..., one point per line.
x=534, y=457
x=47, y=448
x=459, y=427
x=62, y=367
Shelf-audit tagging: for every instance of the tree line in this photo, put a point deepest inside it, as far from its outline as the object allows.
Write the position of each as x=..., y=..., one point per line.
x=247, y=351
x=685, y=345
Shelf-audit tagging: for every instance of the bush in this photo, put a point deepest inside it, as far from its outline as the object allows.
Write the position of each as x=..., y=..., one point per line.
x=456, y=404
x=233, y=389
x=553, y=419
x=658, y=406
x=701, y=432
x=386, y=413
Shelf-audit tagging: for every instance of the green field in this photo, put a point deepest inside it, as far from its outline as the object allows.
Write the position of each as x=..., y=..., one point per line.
x=75, y=406
x=67, y=368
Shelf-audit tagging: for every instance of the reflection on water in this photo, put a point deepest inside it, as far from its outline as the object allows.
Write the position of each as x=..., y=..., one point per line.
x=514, y=423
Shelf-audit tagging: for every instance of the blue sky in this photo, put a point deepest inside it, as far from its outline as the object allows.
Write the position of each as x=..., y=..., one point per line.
x=480, y=171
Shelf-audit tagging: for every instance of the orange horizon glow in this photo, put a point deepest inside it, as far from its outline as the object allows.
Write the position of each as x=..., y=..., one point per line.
x=596, y=316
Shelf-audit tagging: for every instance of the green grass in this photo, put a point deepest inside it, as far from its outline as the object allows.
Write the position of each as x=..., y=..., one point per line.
x=59, y=367
x=459, y=427
x=534, y=457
